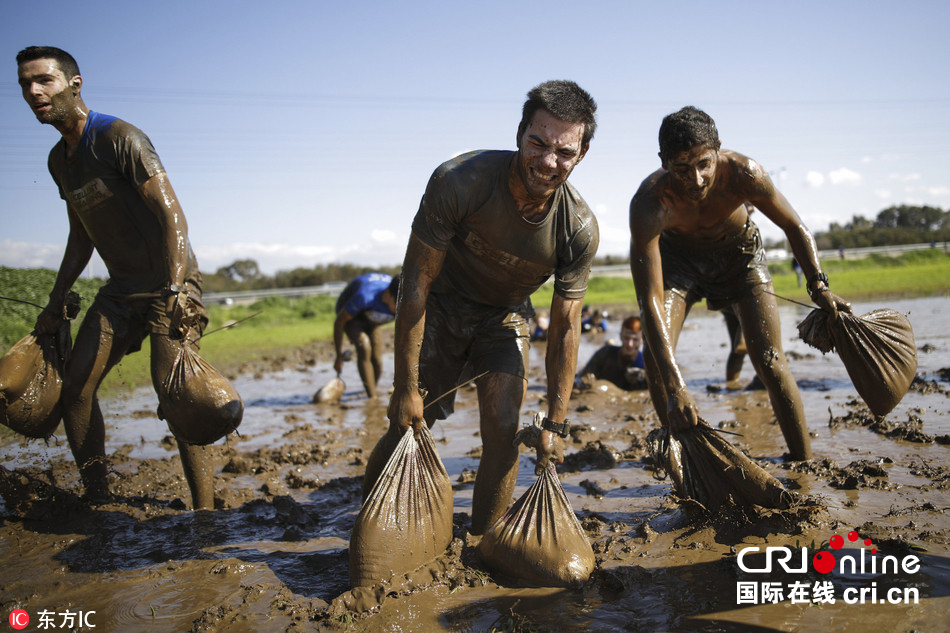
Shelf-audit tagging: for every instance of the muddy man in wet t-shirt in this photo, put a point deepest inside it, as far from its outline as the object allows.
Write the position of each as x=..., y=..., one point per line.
x=492, y=227
x=119, y=202
x=692, y=238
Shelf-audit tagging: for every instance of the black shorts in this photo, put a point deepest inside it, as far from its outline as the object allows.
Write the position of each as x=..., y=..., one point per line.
x=463, y=339
x=721, y=271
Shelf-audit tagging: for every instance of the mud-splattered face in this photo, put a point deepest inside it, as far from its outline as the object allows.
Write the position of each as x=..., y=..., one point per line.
x=694, y=171
x=48, y=92
x=630, y=342
x=548, y=150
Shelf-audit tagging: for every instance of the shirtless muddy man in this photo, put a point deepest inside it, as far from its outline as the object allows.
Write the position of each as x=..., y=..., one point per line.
x=692, y=238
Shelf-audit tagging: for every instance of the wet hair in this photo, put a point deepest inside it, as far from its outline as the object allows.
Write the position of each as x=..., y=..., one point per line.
x=563, y=99
x=631, y=323
x=683, y=130
x=394, y=287
x=64, y=61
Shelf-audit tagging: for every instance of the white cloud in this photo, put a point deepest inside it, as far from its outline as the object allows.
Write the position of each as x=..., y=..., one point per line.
x=844, y=176
x=382, y=235
x=941, y=190
x=866, y=159
x=814, y=179
x=903, y=177
x=883, y=194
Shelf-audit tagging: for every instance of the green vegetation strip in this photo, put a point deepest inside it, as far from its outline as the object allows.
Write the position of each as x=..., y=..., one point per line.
x=285, y=323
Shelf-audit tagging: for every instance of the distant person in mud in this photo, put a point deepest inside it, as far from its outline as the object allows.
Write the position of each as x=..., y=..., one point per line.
x=367, y=302
x=492, y=227
x=692, y=238
x=120, y=202
x=620, y=364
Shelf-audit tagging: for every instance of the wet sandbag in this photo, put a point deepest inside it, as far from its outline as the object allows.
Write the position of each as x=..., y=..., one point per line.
x=330, y=392
x=539, y=539
x=877, y=349
x=199, y=404
x=406, y=521
x=31, y=378
x=709, y=470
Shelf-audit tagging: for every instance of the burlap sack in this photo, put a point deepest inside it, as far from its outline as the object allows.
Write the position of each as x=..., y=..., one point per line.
x=877, y=349
x=706, y=468
x=199, y=404
x=406, y=521
x=539, y=539
x=31, y=377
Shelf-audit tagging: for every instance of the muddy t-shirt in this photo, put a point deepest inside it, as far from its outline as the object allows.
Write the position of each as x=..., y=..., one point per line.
x=494, y=256
x=100, y=182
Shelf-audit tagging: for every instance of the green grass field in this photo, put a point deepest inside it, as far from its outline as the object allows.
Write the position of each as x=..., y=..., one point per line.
x=282, y=323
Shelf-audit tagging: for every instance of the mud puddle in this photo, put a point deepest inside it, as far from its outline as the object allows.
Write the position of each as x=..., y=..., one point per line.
x=273, y=556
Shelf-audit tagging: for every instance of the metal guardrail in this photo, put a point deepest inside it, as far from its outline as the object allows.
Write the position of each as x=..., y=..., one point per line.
x=616, y=270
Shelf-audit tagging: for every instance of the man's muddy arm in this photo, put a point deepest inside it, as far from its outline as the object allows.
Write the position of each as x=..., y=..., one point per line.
x=78, y=252
x=159, y=196
x=420, y=268
x=778, y=209
x=647, y=271
x=560, y=363
x=339, y=324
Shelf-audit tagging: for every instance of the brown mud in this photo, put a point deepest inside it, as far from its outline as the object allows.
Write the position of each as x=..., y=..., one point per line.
x=273, y=555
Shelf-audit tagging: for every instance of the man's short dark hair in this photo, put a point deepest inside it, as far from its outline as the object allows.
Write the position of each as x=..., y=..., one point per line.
x=685, y=129
x=64, y=60
x=566, y=101
x=394, y=287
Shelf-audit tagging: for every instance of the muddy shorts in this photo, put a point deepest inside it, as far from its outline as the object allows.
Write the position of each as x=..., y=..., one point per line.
x=463, y=339
x=129, y=321
x=721, y=271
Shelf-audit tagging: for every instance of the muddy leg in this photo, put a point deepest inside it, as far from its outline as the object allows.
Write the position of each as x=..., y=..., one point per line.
x=198, y=464
x=499, y=404
x=377, y=459
x=737, y=346
x=93, y=355
x=763, y=335
x=364, y=363
x=376, y=355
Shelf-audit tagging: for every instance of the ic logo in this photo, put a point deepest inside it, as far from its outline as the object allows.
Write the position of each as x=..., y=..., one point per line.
x=19, y=619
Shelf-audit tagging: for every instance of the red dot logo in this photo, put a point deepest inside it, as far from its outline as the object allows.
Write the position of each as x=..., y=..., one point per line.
x=836, y=542
x=19, y=619
x=853, y=536
x=823, y=562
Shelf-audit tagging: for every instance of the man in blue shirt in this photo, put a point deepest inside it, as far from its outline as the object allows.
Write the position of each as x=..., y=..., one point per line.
x=367, y=302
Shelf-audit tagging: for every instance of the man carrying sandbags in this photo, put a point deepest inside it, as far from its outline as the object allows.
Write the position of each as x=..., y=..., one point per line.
x=492, y=227
x=119, y=202
x=691, y=237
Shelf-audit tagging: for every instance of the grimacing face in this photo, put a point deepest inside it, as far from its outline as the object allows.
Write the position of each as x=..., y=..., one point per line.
x=48, y=92
x=630, y=342
x=694, y=171
x=549, y=150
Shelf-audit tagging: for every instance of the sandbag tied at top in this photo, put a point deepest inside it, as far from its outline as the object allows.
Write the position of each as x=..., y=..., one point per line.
x=406, y=521
x=706, y=468
x=877, y=349
x=31, y=377
x=199, y=404
x=539, y=539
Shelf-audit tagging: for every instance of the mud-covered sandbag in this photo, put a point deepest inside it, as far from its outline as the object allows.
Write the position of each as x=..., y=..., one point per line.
x=539, y=539
x=199, y=404
x=877, y=349
x=406, y=521
x=330, y=392
x=31, y=378
x=709, y=470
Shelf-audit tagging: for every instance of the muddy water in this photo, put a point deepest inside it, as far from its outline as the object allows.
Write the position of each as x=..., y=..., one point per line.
x=273, y=556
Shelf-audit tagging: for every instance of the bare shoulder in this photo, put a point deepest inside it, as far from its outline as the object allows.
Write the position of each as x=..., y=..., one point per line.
x=648, y=198
x=747, y=175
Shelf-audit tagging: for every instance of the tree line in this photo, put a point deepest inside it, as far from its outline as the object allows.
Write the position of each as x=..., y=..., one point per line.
x=903, y=224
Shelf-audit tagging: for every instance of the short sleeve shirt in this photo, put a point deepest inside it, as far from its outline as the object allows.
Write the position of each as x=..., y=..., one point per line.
x=494, y=256
x=100, y=182
x=364, y=297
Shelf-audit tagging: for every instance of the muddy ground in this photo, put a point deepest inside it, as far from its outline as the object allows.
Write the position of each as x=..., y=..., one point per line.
x=273, y=555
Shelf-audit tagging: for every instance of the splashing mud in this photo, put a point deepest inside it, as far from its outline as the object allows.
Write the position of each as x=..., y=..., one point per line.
x=273, y=555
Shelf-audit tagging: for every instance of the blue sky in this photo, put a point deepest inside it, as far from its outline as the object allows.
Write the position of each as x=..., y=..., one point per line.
x=300, y=133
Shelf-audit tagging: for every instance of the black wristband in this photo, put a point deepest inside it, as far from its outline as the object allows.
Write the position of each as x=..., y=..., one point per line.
x=561, y=428
x=822, y=277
